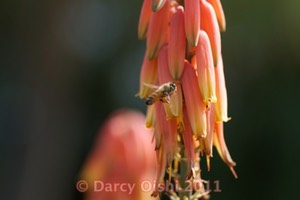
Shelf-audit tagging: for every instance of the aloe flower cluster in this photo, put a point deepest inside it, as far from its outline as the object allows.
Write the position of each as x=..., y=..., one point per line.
x=183, y=46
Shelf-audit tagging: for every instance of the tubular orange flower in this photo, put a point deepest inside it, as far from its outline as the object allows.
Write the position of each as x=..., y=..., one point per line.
x=209, y=24
x=177, y=43
x=144, y=19
x=148, y=75
x=220, y=14
x=193, y=101
x=221, y=146
x=157, y=30
x=205, y=69
x=221, y=105
x=192, y=21
x=187, y=136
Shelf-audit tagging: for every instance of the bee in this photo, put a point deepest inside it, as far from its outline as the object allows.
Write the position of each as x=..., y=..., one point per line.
x=161, y=93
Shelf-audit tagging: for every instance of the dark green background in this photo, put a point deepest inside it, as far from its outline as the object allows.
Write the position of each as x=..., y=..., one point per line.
x=65, y=65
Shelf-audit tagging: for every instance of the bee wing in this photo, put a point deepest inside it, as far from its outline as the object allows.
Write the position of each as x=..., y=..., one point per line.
x=150, y=86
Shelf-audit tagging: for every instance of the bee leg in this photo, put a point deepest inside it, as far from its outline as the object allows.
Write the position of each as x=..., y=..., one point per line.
x=165, y=99
x=168, y=99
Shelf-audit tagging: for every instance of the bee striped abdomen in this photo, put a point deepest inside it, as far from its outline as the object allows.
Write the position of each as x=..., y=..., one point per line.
x=151, y=99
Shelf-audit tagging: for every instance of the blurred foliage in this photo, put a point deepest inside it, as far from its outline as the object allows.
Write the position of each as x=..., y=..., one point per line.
x=65, y=65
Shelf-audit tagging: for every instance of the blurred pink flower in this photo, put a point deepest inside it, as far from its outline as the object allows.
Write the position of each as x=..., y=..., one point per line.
x=123, y=153
x=183, y=46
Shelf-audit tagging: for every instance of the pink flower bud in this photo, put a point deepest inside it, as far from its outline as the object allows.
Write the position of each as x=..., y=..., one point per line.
x=144, y=19
x=158, y=30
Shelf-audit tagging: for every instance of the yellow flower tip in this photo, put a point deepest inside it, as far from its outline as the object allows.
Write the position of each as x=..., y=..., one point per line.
x=212, y=99
x=209, y=24
x=192, y=174
x=158, y=30
x=208, y=162
x=144, y=19
x=176, y=103
x=177, y=43
x=217, y=5
x=150, y=117
x=205, y=69
x=157, y=5
x=193, y=101
x=192, y=21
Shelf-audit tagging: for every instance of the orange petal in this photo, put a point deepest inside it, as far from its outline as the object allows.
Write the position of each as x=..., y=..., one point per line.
x=221, y=105
x=171, y=140
x=193, y=101
x=148, y=75
x=219, y=142
x=177, y=43
x=161, y=128
x=220, y=13
x=157, y=4
x=144, y=19
x=157, y=30
x=161, y=169
x=164, y=74
x=192, y=21
x=209, y=24
x=160, y=124
x=188, y=141
x=205, y=69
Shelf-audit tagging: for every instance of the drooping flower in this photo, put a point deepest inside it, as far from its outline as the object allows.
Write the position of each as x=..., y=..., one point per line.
x=205, y=69
x=184, y=47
